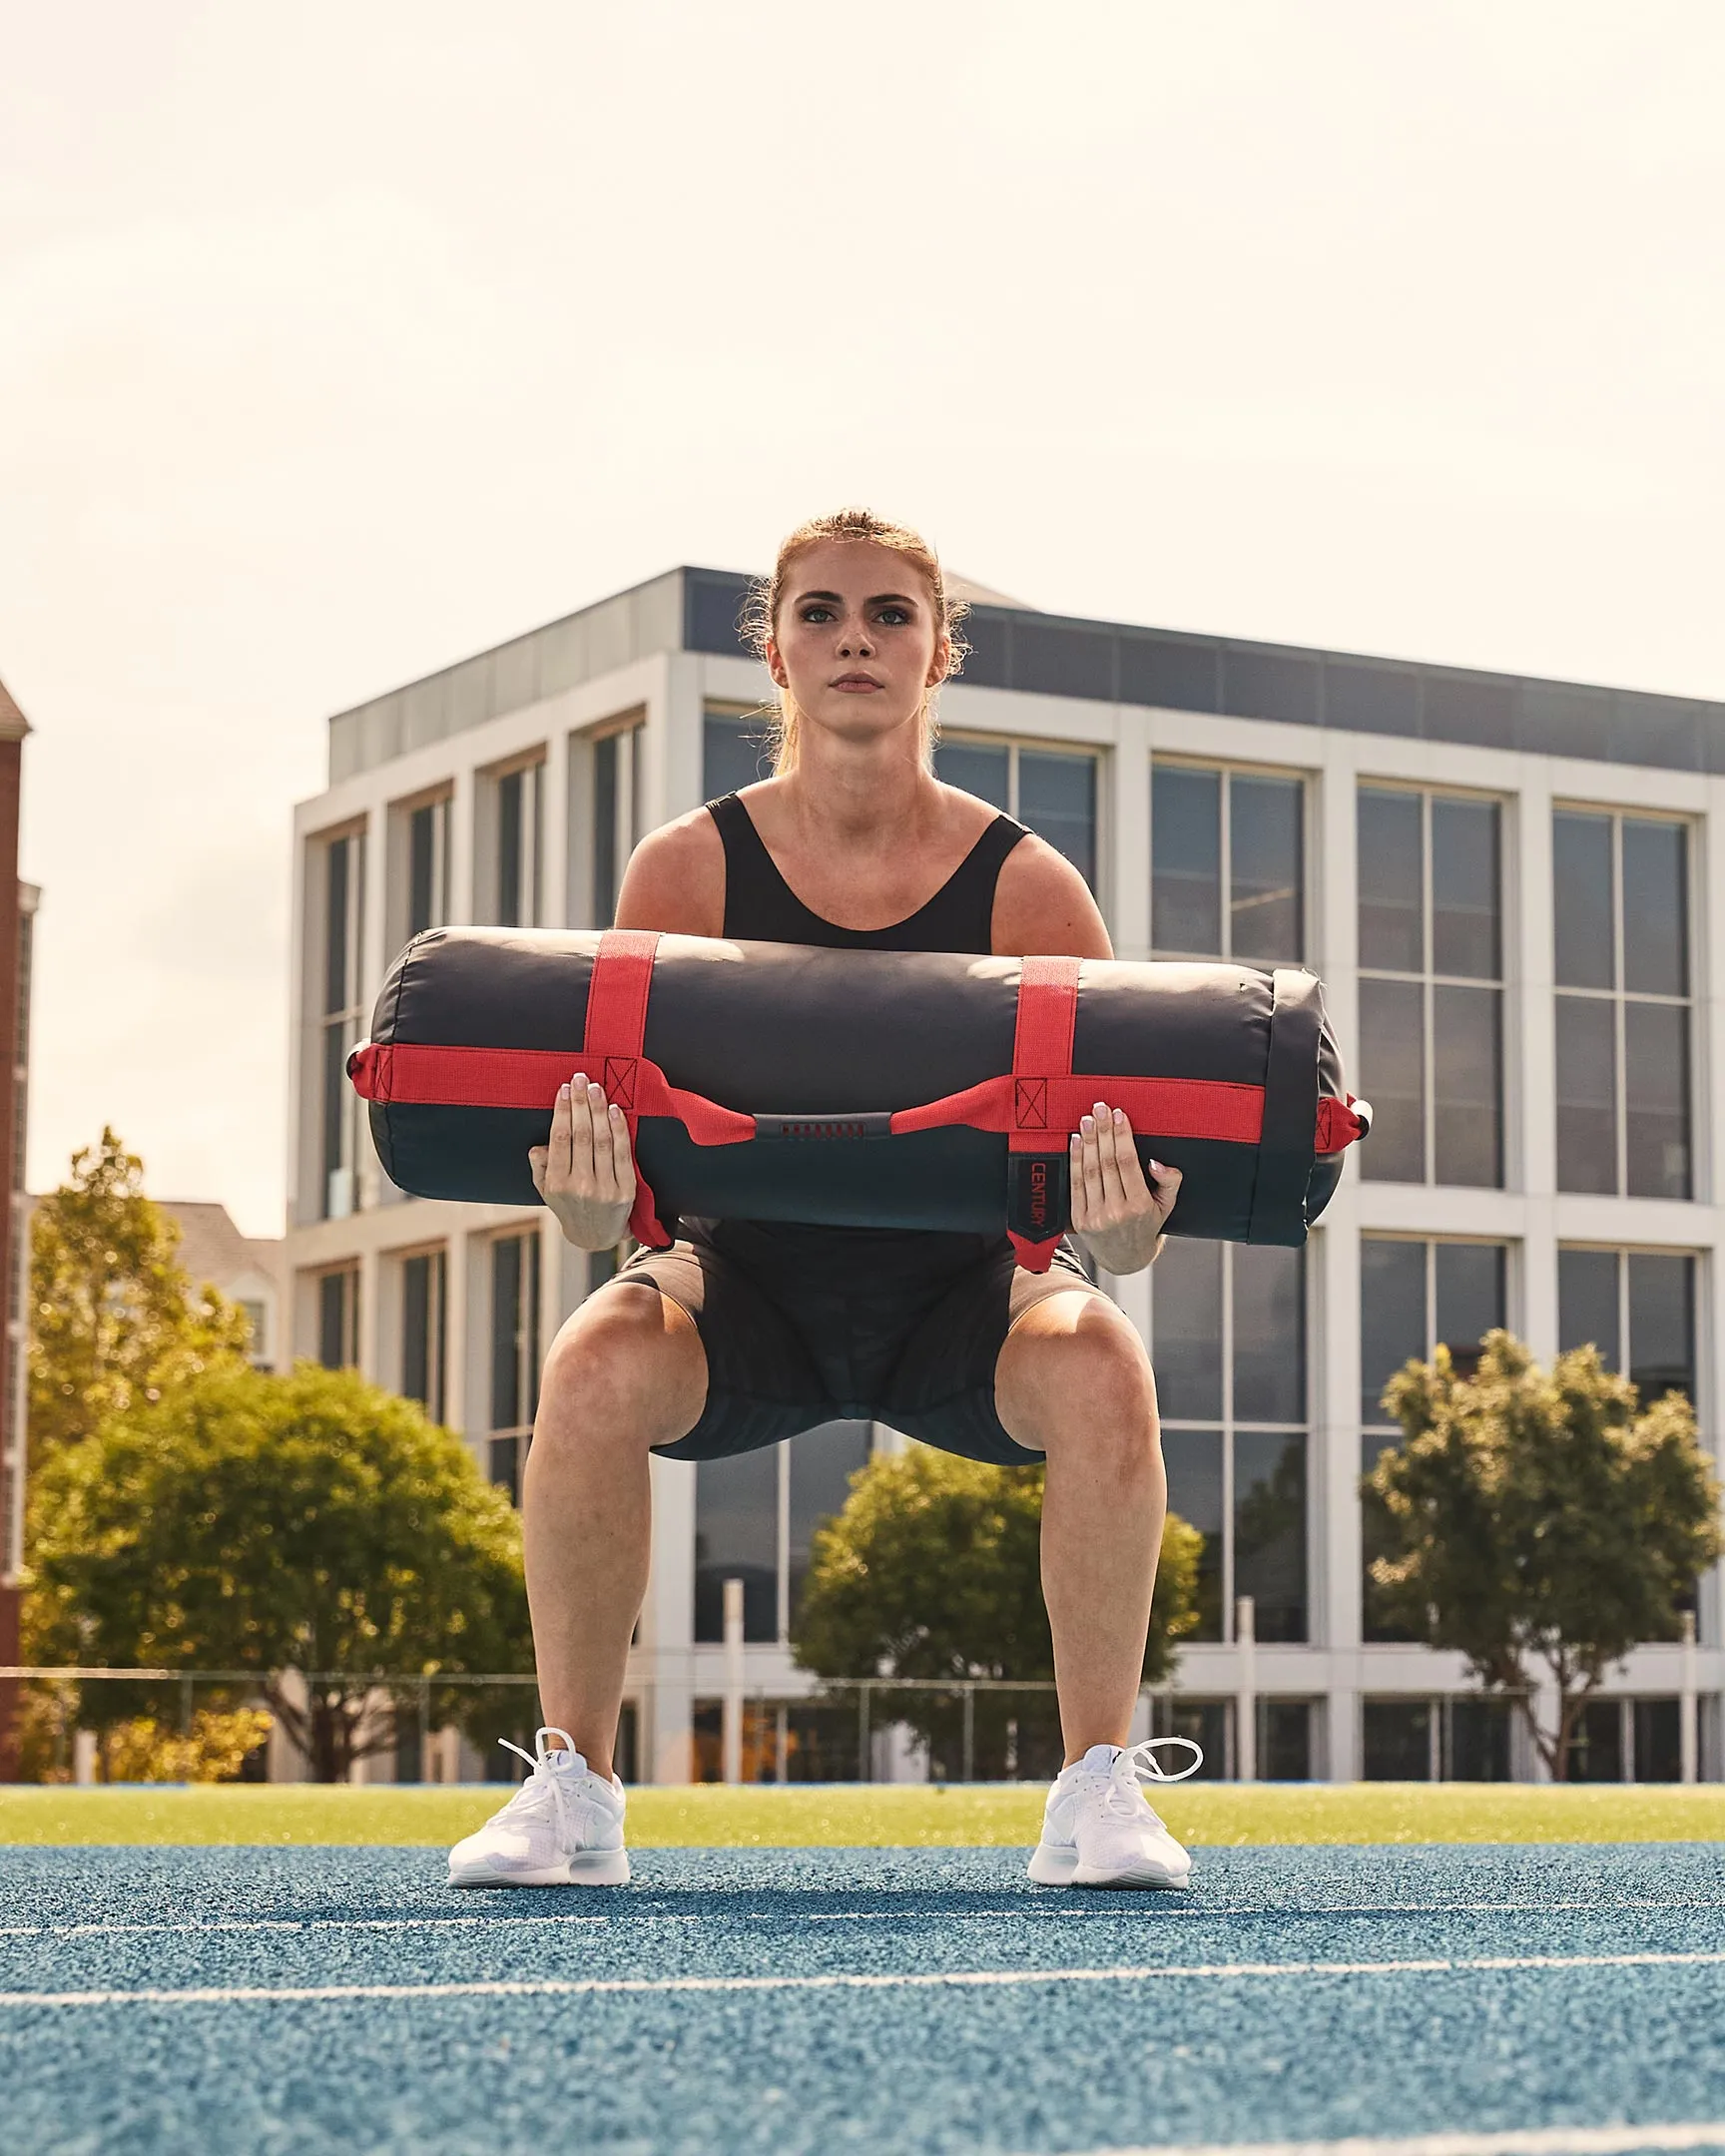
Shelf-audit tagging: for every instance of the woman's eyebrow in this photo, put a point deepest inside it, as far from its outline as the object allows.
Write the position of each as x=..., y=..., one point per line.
x=833, y=598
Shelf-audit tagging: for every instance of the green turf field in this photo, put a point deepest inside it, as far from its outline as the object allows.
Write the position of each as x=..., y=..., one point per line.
x=887, y=1817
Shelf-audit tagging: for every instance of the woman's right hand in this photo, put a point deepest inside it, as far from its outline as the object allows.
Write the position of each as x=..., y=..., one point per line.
x=586, y=1175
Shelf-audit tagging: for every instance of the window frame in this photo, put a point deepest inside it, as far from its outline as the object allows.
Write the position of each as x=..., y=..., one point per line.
x=1430, y=980
x=344, y=1017
x=1036, y=745
x=1227, y=770
x=529, y=1359
x=530, y=896
x=782, y=1526
x=1619, y=995
x=402, y=815
x=1229, y=1425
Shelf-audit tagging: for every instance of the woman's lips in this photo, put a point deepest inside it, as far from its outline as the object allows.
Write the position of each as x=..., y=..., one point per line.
x=856, y=680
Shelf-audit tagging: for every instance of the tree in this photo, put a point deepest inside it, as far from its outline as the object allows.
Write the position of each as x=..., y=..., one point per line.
x=1540, y=1518
x=933, y=1570
x=259, y=1523
x=115, y=1319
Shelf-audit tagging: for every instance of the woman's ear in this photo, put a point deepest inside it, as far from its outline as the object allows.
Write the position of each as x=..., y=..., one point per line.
x=941, y=665
x=776, y=666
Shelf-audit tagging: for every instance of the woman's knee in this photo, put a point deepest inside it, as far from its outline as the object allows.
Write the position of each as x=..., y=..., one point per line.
x=1087, y=1383
x=628, y=1367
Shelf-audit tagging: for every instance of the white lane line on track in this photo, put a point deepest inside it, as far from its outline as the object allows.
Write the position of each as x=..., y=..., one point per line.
x=1093, y=1915
x=1526, y=2141
x=980, y=1979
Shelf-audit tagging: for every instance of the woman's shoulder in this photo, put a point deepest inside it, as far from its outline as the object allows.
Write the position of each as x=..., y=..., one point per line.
x=675, y=881
x=1042, y=905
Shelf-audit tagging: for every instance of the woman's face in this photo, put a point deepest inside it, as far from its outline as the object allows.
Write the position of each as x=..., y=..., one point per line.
x=856, y=639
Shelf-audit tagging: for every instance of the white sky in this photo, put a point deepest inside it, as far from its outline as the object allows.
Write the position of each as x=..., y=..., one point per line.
x=340, y=340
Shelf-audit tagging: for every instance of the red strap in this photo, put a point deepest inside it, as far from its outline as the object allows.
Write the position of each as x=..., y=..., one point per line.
x=617, y=991
x=1042, y=1062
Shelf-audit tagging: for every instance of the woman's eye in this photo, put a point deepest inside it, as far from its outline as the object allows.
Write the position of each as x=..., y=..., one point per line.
x=895, y=616
x=817, y=614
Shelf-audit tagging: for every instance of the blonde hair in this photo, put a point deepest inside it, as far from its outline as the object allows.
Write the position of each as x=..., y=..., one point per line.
x=761, y=613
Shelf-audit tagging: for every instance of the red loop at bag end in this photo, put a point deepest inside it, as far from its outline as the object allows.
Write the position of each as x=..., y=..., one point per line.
x=1034, y=1257
x=1342, y=1123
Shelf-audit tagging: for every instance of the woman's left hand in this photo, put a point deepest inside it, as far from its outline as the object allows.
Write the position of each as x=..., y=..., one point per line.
x=1114, y=1209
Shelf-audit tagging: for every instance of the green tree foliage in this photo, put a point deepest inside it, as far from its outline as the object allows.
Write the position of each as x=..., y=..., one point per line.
x=933, y=1570
x=259, y=1523
x=115, y=1321
x=1540, y=1518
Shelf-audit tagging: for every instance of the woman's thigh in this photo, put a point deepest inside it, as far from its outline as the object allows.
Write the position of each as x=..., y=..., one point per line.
x=944, y=1389
x=761, y=1384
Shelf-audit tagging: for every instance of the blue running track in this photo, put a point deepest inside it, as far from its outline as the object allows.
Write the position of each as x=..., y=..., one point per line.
x=1444, y=2001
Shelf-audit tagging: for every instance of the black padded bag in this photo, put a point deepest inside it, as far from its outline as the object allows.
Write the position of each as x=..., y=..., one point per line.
x=804, y=1060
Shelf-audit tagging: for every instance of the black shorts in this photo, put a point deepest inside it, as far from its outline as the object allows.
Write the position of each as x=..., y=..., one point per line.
x=802, y=1325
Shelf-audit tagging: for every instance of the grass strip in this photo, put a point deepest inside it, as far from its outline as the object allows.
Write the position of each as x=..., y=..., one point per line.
x=845, y=1816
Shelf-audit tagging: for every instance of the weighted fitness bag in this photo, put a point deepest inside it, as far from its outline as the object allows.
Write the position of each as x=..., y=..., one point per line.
x=863, y=1089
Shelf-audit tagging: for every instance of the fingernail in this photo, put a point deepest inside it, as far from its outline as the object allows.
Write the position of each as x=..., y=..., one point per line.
x=1087, y=1124
x=1156, y=1167
x=1119, y=1115
x=563, y=1092
x=593, y=1086
x=1101, y=1108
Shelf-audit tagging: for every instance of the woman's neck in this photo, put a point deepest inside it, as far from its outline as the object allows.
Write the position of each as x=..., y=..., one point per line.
x=856, y=796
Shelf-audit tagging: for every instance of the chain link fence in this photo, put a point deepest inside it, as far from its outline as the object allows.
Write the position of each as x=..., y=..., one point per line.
x=166, y=1725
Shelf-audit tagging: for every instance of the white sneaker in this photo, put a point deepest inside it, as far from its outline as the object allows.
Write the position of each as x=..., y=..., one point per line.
x=1097, y=1830
x=562, y=1827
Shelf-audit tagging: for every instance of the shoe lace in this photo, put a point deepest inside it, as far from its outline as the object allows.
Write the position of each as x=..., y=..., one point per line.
x=1138, y=1764
x=544, y=1790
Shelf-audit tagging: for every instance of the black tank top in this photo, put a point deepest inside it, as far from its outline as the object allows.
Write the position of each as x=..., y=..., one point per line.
x=815, y=1262
x=760, y=908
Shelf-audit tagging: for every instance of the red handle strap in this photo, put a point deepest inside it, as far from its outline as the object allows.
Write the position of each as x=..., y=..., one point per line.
x=1041, y=1059
x=617, y=991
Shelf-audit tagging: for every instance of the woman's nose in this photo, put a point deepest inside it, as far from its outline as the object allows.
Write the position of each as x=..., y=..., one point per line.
x=854, y=640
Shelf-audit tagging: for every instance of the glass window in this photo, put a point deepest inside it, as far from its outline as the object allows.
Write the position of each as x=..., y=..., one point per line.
x=1397, y=1736
x=614, y=807
x=422, y=1293
x=737, y=1537
x=338, y=1319
x=977, y=767
x=1057, y=800
x=344, y=898
x=1621, y=893
x=733, y=753
x=1414, y=1298
x=519, y=836
x=515, y=1350
x=1657, y=1726
x=1638, y=1309
x=1185, y=860
x=1193, y=1459
x=1284, y=1740
x=427, y=866
x=1265, y=868
x=756, y=1518
x=820, y=1465
x=1053, y=791
x=1430, y=999
x=1475, y=1738
x=1228, y=1329
x=1227, y=865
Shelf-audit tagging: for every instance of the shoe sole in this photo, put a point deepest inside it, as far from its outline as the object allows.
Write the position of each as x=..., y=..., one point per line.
x=593, y=1867
x=1060, y=1867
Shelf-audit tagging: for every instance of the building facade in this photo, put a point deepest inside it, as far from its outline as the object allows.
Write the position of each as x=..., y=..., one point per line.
x=1508, y=886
